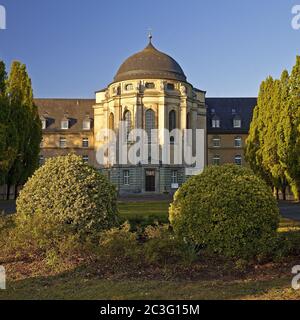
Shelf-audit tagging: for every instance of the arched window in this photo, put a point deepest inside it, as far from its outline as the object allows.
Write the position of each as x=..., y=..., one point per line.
x=188, y=121
x=172, y=120
x=149, y=123
x=127, y=119
x=111, y=122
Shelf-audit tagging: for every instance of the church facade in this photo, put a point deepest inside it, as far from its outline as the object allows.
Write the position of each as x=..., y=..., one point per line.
x=150, y=91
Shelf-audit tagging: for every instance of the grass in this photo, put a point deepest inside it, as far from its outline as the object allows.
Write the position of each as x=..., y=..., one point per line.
x=74, y=286
x=266, y=282
x=144, y=213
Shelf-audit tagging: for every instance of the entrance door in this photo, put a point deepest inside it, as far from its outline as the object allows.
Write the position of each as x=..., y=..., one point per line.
x=150, y=181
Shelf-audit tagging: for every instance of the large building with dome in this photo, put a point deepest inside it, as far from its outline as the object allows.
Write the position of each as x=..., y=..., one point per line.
x=149, y=91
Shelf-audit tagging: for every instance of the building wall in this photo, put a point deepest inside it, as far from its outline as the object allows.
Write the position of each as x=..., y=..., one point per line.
x=227, y=150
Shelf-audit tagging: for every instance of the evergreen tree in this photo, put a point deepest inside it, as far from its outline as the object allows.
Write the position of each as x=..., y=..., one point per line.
x=26, y=118
x=8, y=134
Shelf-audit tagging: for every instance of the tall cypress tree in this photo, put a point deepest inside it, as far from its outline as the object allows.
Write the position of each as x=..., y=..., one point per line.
x=25, y=115
x=8, y=133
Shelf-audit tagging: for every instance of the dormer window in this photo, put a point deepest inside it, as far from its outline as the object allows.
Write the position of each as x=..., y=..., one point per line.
x=86, y=124
x=215, y=122
x=65, y=124
x=150, y=85
x=237, y=122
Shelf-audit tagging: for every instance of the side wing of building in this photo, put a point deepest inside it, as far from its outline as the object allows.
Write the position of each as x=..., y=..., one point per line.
x=228, y=123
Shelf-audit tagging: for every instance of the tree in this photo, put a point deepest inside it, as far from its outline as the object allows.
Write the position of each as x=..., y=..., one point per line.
x=8, y=134
x=26, y=119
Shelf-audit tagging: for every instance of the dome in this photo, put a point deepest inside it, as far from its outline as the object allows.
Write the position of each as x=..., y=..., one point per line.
x=150, y=64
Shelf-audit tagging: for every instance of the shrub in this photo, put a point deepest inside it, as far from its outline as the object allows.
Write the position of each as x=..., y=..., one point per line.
x=226, y=209
x=69, y=193
x=119, y=244
x=163, y=247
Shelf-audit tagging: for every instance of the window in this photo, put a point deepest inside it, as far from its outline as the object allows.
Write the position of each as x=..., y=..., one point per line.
x=62, y=142
x=237, y=123
x=238, y=142
x=111, y=122
x=85, y=158
x=44, y=123
x=188, y=121
x=238, y=160
x=65, y=124
x=216, y=142
x=233, y=111
x=215, y=122
x=172, y=120
x=127, y=119
x=150, y=85
x=41, y=160
x=129, y=87
x=86, y=125
x=174, y=176
x=216, y=160
x=85, y=142
x=149, y=123
x=126, y=177
x=170, y=86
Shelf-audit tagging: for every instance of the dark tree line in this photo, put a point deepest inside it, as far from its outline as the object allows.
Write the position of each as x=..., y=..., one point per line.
x=20, y=127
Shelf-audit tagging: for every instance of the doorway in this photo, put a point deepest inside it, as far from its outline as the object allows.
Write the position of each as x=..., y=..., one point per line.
x=150, y=180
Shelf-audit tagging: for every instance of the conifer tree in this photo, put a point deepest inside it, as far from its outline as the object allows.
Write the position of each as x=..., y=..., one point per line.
x=26, y=118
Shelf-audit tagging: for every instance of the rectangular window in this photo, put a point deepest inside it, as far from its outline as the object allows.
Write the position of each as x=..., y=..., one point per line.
x=85, y=142
x=238, y=142
x=174, y=176
x=237, y=123
x=65, y=125
x=85, y=158
x=216, y=160
x=215, y=123
x=216, y=142
x=126, y=177
x=86, y=125
x=62, y=142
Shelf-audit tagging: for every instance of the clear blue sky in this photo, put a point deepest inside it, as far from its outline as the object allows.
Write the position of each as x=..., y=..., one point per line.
x=74, y=47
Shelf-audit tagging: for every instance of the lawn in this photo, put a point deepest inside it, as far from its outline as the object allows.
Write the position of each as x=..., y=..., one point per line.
x=144, y=213
x=26, y=280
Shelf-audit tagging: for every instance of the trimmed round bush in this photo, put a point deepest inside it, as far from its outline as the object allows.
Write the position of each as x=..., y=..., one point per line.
x=228, y=210
x=69, y=193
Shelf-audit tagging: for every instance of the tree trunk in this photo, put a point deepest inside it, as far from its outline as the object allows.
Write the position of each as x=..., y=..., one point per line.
x=7, y=192
x=284, y=193
x=16, y=192
x=277, y=193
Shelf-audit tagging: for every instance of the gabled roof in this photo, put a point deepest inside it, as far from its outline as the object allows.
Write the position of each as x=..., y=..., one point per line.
x=226, y=109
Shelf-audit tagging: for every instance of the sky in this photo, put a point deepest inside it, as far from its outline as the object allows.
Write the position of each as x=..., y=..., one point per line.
x=74, y=47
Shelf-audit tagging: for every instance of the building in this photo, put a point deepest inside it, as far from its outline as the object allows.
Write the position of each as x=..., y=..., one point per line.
x=150, y=91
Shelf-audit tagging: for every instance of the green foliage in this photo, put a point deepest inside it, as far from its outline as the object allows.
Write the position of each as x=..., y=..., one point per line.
x=118, y=244
x=69, y=192
x=27, y=123
x=163, y=247
x=226, y=209
x=273, y=145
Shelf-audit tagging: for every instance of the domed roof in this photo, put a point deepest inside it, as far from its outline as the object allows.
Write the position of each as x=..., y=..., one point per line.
x=150, y=64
